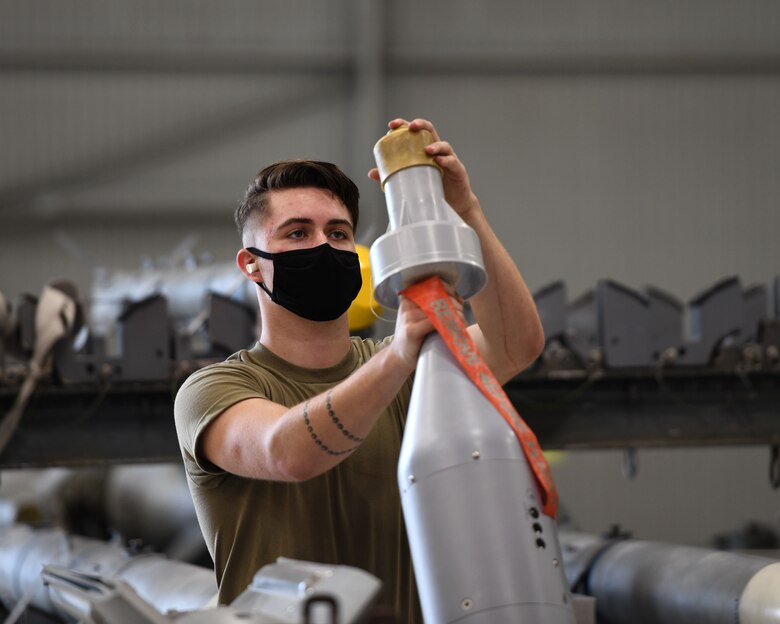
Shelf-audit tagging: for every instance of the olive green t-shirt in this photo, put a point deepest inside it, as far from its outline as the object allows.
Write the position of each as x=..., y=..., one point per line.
x=350, y=515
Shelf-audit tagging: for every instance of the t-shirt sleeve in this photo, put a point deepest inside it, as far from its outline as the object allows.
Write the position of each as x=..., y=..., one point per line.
x=204, y=396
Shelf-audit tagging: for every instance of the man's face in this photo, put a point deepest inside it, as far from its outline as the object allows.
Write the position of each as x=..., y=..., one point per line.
x=300, y=218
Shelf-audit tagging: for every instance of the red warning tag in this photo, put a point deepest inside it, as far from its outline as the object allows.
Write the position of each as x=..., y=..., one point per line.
x=434, y=300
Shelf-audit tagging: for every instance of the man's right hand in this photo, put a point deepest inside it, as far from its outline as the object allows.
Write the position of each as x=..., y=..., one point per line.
x=411, y=328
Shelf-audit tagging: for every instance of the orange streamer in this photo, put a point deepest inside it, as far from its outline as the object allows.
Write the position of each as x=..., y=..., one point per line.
x=434, y=300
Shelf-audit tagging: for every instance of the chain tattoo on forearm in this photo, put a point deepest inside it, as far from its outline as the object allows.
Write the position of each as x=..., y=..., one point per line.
x=324, y=447
x=338, y=423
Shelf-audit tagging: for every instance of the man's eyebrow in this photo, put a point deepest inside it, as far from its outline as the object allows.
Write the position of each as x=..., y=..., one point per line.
x=340, y=222
x=294, y=221
x=306, y=221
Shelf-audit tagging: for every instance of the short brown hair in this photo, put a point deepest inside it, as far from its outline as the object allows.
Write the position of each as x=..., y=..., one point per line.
x=296, y=174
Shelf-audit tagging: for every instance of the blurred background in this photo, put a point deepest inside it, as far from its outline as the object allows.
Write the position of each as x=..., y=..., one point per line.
x=634, y=141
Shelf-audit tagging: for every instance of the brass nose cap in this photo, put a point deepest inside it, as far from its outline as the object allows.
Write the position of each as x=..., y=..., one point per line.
x=402, y=148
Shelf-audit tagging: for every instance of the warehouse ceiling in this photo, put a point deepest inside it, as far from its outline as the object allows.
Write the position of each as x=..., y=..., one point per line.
x=135, y=108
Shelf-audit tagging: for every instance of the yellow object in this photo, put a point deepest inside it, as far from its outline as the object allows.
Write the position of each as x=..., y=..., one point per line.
x=555, y=458
x=362, y=312
x=402, y=148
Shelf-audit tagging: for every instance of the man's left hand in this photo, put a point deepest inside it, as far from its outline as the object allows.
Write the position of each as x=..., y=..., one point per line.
x=457, y=187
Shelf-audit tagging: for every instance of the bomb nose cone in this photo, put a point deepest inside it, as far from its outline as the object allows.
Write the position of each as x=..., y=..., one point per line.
x=401, y=148
x=425, y=235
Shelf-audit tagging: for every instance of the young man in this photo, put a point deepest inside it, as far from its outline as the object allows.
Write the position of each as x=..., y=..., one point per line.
x=291, y=447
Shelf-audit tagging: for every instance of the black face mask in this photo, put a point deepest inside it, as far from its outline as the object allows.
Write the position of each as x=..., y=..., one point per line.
x=318, y=283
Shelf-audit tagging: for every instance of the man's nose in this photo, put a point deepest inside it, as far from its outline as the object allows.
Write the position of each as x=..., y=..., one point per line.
x=320, y=238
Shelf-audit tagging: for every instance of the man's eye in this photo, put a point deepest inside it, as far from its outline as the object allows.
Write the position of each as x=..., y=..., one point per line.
x=339, y=235
x=296, y=234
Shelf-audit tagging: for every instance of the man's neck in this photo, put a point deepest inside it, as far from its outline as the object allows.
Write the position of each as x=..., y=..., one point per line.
x=305, y=343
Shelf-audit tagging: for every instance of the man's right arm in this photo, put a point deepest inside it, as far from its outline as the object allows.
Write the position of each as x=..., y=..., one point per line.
x=260, y=439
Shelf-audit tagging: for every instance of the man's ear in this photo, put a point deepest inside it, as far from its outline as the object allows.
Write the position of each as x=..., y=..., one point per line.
x=248, y=265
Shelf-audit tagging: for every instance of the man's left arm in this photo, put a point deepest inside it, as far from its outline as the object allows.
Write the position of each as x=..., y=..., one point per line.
x=508, y=333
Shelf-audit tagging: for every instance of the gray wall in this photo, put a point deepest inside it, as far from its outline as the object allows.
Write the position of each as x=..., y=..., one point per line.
x=637, y=141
